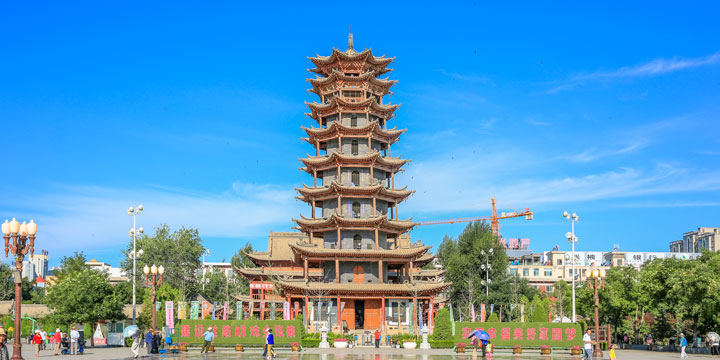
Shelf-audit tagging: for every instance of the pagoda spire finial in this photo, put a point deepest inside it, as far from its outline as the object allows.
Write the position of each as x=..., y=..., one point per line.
x=350, y=41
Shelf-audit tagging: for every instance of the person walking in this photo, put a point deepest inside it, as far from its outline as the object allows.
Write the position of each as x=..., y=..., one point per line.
x=74, y=338
x=714, y=340
x=44, y=336
x=270, y=341
x=149, y=341
x=135, y=347
x=683, y=344
x=57, y=341
x=4, y=354
x=377, y=338
x=588, y=344
x=612, y=352
x=37, y=342
x=209, y=337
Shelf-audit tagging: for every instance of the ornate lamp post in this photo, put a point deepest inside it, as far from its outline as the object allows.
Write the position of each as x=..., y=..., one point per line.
x=596, y=280
x=573, y=240
x=20, y=234
x=486, y=268
x=134, y=212
x=151, y=280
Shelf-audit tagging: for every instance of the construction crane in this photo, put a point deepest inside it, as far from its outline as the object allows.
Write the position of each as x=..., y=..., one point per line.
x=494, y=219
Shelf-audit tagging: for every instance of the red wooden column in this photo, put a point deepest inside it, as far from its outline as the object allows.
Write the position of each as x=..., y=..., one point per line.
x=431, y=315
x=396, y=211
x=337, y=271
x=314, y=178
x=339, y=241
x=306, y=313
x=313, y=208
x=374, y=205
x=339, y=315
x=317, y=147
x=377, y=240
x=415, y=310
x=305, y=268
x=380, y=271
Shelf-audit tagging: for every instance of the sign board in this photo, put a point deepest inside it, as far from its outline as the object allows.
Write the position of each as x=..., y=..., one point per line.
x=239, y=331
x=523, y=334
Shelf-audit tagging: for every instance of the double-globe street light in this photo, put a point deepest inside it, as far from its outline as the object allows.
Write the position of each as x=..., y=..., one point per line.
x=20, y=234
x=596, y=280
x=152, y=280
x=573, y=240
x=133, y=234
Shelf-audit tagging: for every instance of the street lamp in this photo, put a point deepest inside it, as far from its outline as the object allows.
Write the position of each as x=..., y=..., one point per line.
x=133, y=234
x=20, y=234
x=573, y=240
x=487, y=268
x=598, y=282
x=207, y=252
x=154, y=282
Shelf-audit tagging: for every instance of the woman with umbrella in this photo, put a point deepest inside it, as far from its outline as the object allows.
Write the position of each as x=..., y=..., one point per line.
x=480, y=336
x=714, y=340
x=132, y=332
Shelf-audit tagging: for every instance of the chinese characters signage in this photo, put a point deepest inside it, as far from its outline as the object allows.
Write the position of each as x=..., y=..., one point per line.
x=239, y=331
x=528, y=334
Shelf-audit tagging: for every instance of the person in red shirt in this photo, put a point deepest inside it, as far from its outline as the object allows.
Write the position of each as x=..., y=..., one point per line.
x=57, y=340
x=37, y=340
x=377, y=338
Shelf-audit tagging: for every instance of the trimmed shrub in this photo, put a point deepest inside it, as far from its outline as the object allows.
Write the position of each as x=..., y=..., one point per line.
x=443, y=326
x=441, y=344
x=493, y=318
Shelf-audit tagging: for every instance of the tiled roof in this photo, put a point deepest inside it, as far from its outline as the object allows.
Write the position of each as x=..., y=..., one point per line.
x=393, y=253
x=422, y=288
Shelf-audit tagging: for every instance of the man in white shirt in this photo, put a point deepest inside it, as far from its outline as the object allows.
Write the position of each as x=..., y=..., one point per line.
x=74, y=338
x=588, y=344
x=43, y=336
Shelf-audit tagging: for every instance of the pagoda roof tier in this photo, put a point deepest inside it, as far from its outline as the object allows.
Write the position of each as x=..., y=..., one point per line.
x=313, y=250
x=259, y=272
x=350, y=60
x=423, y=260
x=335, y=159
x=339, y=81
x=338, y=105
x=337, y=129
x=263, y=258
x=334, y=221
x=429, y=272
x=405, y=289
x=334, y=189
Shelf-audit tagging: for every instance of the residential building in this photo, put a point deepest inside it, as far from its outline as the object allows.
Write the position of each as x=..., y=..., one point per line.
x=352, y=261
x=695, y=241
x=36, y=265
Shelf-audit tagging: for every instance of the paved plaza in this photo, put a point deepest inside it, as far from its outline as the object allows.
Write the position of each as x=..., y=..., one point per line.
x=362, y=353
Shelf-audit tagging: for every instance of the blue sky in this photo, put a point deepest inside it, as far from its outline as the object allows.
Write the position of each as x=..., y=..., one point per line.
x=194, y=110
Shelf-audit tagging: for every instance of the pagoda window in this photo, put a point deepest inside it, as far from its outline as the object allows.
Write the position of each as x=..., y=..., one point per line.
x=398, y=312
x=355, y=177
x=357, y=242
x=353, y=123
x=356, y=211
x=354, y=147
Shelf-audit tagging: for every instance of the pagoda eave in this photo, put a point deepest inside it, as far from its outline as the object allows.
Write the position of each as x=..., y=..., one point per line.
x=339, y=289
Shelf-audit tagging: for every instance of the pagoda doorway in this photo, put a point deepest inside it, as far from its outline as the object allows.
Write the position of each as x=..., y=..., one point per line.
x=359, y=314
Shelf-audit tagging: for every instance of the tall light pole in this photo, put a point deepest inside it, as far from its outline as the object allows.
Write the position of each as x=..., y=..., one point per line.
x=487, y=268
x=573, y=240
x=598, y=281
x=20, y=234
x=207, y=252
x=133, y=233
x=154, y=282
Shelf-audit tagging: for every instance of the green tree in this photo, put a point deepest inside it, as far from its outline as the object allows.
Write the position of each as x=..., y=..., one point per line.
x=164, y=293
x=7, y=286
x=220, y=287
x=443, y=325
x=178, y=251
x=239, y=261
x=84, y=297
x=562, y=299
x=493, y=318
x=70, y=265
x=540, y=309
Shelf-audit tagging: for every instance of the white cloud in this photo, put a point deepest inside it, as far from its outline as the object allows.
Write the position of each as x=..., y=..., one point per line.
x=91, y=217
x=596, y=153
x=652, y=68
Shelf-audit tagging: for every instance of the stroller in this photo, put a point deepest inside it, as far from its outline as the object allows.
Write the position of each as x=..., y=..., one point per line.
x=66, y=346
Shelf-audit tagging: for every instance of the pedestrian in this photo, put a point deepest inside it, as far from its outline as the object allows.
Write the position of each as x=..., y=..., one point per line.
x=377, y=338
x=135, y=347
x=74, y=338
x=44, y=336
x=588, y=344
x=209, y=337
x=649, y=342
x=270, y=341
x=149, y=341
x=612, y=352
x=57, y=341
x=714, y=340
x=479, y=338
x=683, y=344
x=4, y=355
x=37, y=342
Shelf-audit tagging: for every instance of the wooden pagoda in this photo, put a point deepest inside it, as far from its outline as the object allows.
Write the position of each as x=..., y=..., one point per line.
x=353, y=266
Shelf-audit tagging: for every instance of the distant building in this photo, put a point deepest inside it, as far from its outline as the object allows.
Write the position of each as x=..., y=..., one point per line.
x=517, y=244
x=696, y=241
x=544, y=269
x=36, y=265
x=115, y=275
x=226, y=267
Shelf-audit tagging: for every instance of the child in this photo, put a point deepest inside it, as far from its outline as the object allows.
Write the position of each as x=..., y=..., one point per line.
x=612, y=352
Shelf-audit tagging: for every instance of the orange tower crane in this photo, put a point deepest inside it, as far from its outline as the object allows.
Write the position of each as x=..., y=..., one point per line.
x=494, y=219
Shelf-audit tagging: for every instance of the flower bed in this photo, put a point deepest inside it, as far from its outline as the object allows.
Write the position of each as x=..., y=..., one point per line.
x=545, y=350
x=460, y=348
